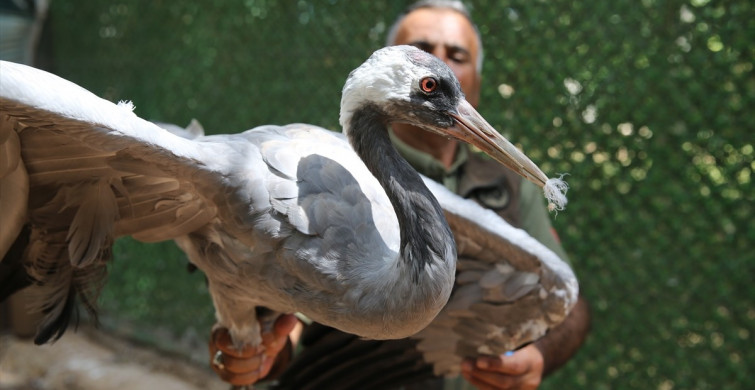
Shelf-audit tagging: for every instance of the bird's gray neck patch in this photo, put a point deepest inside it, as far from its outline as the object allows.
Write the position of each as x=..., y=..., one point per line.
x=425, y=235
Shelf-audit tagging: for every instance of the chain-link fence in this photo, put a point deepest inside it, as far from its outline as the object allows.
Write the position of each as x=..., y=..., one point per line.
x=644, y=103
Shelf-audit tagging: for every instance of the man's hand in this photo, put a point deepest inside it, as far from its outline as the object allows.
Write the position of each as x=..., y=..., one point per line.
x=522, y=370
x=249, y=365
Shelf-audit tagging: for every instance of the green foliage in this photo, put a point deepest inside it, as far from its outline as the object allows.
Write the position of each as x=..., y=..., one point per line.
x=150, y=285
x=644, y=103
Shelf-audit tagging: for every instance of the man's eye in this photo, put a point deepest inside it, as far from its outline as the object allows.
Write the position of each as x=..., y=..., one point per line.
x=459, y=58
x=423, y=46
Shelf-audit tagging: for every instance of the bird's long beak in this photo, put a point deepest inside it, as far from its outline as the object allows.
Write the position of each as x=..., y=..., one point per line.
x=472, y=128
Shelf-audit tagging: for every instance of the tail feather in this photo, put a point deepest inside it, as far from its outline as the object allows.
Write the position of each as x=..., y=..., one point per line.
x=57, y=319
x=78, y=287
x=61, y=283
x=91, y=229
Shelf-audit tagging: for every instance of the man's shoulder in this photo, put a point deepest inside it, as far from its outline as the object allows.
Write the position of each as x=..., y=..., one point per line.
x=492, y=185
x=481, y=171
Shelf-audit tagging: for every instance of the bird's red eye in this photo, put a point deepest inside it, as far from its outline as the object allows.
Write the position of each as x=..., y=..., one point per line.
x=428, y=84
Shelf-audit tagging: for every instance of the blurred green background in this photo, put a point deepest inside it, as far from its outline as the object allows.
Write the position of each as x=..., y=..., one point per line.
x=647, y=104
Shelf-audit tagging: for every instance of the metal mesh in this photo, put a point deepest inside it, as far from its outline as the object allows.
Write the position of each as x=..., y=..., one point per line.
x=643, y=103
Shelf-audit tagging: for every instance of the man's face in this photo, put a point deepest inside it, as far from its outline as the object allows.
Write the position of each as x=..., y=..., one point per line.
x=449, y=36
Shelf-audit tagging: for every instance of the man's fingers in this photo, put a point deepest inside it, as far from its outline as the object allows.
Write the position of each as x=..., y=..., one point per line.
x=511, y=365
x=266, y=366
x=243, y=379
x=486, y=379
x=471, y=377
x=248, y=365
x=273, y=342
x=221, y=339
x=285, y=324
x=242, y=365
x=520, y=370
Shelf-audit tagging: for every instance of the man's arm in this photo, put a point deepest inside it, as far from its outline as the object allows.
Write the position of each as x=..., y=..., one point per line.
x=563, y=341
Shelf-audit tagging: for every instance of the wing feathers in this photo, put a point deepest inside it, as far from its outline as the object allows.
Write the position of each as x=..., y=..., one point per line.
x=14, y=190
x=509, y=289
x=58, y=316
x=10, y=147
x=80, y=171
x=178, y=220
x=56, y=170
x=148, y=186
x=91, y=230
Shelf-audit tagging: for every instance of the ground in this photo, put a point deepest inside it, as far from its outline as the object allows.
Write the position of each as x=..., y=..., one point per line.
x=90, y=359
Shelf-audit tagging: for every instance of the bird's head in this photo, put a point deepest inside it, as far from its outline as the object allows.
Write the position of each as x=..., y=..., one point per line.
x=406, y=84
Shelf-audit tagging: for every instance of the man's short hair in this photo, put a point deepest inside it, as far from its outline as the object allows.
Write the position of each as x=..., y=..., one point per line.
x=454, y=5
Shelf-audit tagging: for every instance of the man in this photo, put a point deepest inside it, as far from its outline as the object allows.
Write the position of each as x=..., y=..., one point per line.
x=444, y=29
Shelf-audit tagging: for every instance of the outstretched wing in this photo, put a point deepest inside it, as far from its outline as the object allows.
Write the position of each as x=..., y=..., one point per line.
x=78, y=171
x=510, y=289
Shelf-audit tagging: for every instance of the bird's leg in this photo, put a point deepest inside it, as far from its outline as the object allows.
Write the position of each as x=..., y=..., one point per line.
x=242, y=324
x=266, y=319
x=243, y=327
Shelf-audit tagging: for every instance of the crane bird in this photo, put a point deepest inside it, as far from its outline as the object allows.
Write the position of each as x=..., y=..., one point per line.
x=510, y=290
x=289, y=218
